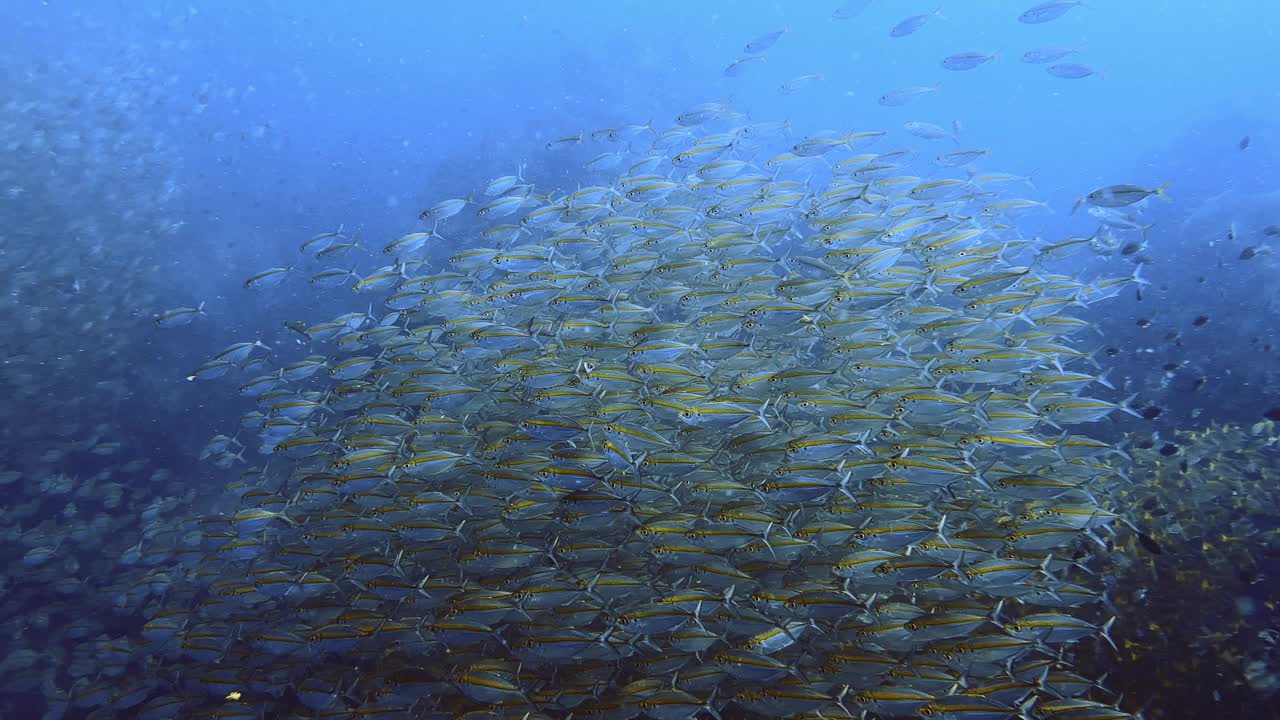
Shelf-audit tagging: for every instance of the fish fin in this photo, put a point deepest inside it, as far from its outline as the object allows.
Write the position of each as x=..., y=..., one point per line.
x=1124, y=406
x=1105, y=632
x=1102, y=379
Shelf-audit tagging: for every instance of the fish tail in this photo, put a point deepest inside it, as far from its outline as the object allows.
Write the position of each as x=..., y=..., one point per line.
x=1105, y=632
x=1137, y=276
x=1103, y=381
x=1044, y=568
x=1124, y=406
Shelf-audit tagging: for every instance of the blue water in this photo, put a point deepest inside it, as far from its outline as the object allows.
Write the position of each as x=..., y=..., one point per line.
x=267, y=122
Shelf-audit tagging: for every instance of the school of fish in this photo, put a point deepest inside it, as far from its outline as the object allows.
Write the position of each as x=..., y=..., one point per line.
x=760, y=422
x=752, y=423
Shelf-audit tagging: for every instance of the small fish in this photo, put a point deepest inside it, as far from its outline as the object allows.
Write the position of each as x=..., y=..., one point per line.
x=849, y=9
x=1013, y=206
x=1114, y=196
x=1200, y=321
x=506, y=183
x=38, y=556
x=332, y=277
x=1249, y=253
x=408, y=243
x=443, y=209
x=960, y=158
x=339, y=248
x=763, y=42
x=796, y=84
x=913, y=23
x=929, y=131
x=178, y=317
x=561, y=142
x=1073, y=71
x=968, y=60
x=503, y=206
x=703, y=113
x=605, y=135
x=1244, y=142
x=737, y=67
x=825, y=142
x=902, y=96
x=319, y=242
x=992, y=178
x=267, y=278
x=1119, y=220
x=239, y=352
x=1041, y=56
x=1047, y=11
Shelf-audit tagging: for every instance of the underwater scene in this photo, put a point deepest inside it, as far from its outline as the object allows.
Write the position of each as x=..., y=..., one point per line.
x=819, y=359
